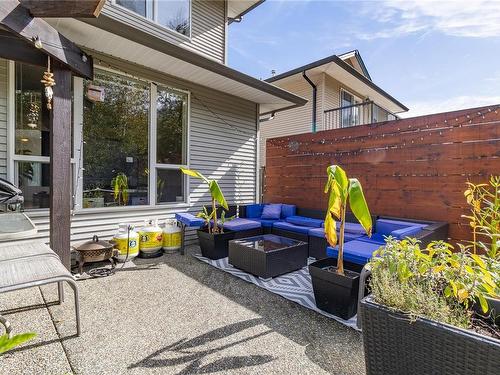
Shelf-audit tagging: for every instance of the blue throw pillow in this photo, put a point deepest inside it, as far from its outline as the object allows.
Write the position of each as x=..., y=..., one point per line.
x=288, y=210
x=271, y=211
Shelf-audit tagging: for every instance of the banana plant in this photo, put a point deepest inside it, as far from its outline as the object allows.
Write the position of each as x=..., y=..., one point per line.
x=216, y=194
x=120, y=188
x=343, y=190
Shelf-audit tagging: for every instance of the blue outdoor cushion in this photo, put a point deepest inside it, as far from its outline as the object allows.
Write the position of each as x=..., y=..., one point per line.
x=386, y=226
x=304, y=221
x=353, y=228
x=406, y=232
x=320, y=232
x=264, y=222
x=358, y=252
x=240, y=224
x=291, y=227
x=288, y=210
x=271, y=211
x=254, y=210
x=189, y=220
x=376, y=238
x=317, y=232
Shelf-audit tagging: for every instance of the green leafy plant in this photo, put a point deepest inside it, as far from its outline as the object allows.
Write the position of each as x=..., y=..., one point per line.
x=7, y=343
x=484, y=220
x=217, y=197
x=120, y=189
x=436, y=282
x=343, y=190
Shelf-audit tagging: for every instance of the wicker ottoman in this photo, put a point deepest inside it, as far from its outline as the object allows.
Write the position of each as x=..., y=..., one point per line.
x=268, y=255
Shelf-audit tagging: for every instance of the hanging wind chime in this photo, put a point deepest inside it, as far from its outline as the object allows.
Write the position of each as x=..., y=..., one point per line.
x=48, y=81
x=33, y=113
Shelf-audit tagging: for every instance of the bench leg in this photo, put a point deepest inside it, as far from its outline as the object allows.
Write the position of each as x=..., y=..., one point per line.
x=7, y=326
x=183, y=242
x=73, y=285
x=60, y=291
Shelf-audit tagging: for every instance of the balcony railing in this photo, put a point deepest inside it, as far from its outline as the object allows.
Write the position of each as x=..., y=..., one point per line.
x=356, y=114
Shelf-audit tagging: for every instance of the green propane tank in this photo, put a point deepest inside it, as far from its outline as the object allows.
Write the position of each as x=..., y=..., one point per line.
x=171, y=236
x=120, y=241
x=150, y=240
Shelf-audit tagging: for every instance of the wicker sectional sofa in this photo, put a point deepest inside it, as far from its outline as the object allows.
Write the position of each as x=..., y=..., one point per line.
x=308, y=225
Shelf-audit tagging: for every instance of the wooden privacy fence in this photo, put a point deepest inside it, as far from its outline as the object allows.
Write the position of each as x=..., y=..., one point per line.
x=410, y=168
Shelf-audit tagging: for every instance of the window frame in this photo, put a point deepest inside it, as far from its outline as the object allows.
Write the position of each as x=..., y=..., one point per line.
x=154, y=17
x=151, y=145
x=154, y=165
x=78, y=150
x=12, y=158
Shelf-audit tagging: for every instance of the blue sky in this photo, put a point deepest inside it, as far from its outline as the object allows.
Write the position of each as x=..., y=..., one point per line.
x=432, y=56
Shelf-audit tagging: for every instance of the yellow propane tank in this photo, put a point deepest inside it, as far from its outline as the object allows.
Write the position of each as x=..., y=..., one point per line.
x=120, y=241
x=171, y=236
x=150, y=239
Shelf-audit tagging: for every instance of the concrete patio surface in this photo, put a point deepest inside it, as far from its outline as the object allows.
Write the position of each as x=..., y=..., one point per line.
x=175, y=315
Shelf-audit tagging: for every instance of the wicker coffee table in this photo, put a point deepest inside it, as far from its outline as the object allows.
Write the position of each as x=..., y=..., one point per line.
x=268, y=255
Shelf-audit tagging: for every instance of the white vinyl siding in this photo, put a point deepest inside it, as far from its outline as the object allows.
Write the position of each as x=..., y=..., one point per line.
x=226, y=153
x=3, y=117
x=208, y=19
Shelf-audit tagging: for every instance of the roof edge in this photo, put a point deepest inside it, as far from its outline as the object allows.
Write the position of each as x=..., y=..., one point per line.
x=248, y=10
x=337, y=60
x=118, y=28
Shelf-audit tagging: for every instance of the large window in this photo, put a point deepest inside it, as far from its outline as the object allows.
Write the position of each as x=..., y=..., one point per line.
x=174, y=14
x=116, y=134
x=133, y=149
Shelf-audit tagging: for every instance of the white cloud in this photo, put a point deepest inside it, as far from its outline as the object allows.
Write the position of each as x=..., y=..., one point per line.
x=472, y=18
x=452, y=104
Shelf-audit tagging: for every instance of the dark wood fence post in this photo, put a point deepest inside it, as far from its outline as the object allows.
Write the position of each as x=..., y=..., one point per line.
x=60, y=165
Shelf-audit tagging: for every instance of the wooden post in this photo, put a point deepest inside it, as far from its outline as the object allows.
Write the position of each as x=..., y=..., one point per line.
x=60, y=165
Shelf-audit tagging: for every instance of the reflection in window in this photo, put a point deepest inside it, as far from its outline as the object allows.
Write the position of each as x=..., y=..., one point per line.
x=171, y=109
x=115, y=132
x=33, y=178
x=170, y=186
x=174, y=14
x=142, y=7
x=32, y=121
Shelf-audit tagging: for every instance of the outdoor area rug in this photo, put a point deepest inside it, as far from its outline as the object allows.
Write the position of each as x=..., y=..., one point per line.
x=295, y=286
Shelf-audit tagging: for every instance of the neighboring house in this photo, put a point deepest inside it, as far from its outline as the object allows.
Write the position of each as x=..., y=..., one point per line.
x=340, y=90
x=161, y=98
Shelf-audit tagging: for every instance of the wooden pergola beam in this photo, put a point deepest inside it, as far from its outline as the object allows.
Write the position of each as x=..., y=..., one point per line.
x=64, y=8
x=60, y=165
x=16, y=19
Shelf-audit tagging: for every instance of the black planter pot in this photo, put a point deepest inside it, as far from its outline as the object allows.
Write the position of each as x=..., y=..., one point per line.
x=334, y=293
x=214, y=246
x=395, y=345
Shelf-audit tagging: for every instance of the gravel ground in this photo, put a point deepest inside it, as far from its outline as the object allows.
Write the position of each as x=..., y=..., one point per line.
x=177, y=315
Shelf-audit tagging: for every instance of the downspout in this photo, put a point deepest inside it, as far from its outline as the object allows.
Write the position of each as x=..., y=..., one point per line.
x=315, y=93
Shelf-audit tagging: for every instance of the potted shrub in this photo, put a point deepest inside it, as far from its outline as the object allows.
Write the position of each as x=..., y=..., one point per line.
x=420, y=317
x=336, y=287
x=214, y=241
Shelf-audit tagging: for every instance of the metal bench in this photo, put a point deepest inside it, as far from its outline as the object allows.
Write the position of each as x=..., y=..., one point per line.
x=31, y=264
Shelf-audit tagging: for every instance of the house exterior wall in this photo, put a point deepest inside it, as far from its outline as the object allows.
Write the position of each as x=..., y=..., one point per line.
x=295, y=120
x=3, y=117
x=298, y=120
x=225, y=152
x=208, y=25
